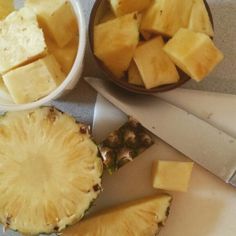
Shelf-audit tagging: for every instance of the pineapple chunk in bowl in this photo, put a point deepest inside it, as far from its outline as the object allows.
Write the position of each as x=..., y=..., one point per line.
x=53, y=62
x=126, y=35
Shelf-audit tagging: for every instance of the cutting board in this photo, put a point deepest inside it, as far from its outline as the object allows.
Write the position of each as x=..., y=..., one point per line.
x=208, y=209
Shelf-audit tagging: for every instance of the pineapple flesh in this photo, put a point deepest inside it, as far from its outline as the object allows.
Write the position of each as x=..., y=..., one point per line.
x=139, y=218
x=6, y=7
x=50, y=172
x=134, y=76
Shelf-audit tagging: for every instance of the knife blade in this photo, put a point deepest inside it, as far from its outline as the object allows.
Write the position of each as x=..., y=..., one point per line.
x=205, y=144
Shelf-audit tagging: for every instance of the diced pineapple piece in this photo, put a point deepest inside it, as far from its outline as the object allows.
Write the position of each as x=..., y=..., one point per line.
x=115, y=42
x=122, y=7
x=154, y=65
x=172, y=175
x=57, y=18
x=5, y=97
x=194, y=53
x=166, y=17
x=34, y=81
x=134, y=76
x=65, y=56
x=199, y=19
x=6, y=7
x=21, y=40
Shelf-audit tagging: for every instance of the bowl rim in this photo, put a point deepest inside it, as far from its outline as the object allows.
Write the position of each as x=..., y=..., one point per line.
x=121, y=82
x=77, y=66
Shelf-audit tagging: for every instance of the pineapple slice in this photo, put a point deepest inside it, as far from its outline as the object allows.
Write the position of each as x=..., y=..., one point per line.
x=34, y=81
x=57, y=18
x=194, y=53
x=6, y=7
x=199, y=19
x=134, y=76
x=21, y=40
x=123, y=7
x=142, y=218
x=52, y=168
x=154, y=65
x=115, y=42
x=166, y=17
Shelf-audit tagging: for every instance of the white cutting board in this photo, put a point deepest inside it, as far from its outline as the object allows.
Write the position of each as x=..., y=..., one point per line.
x=209, y=208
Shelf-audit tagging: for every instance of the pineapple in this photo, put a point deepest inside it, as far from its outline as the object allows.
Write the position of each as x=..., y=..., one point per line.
x=115, y=42
x=154, y=65
x=194, y=53
x=199, y=19
x=166, y=17
x=21, y=40
x=34, y=81
x=123, y=7
x=142, y=218
x=6, y=7
x=134, y=76
x=4, y=93
x=52, y=168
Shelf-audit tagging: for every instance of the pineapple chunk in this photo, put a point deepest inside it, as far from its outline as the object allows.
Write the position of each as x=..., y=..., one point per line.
x=154, y=65
x=142, y=217
x=4, y=94
x=123, y=7
x=34, y=81
x=172, y=175
x=199, y=19
x=166, y=17
x=134, y=75
x=115, y=42
x=21, y=40
x=57, y=18
x=6, y=7
x=194, y=53
x=53, y=168
x=65, y=56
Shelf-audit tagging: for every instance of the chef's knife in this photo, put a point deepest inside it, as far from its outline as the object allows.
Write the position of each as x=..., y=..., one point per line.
x=203, y=143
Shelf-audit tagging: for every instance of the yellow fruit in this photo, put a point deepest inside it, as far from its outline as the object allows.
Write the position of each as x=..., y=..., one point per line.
x=122, y=7
x=52, y=167
x=6, y=7
x=199, y=19
x=166, y=17
x=34, y=81
x=194, y=53
x=139, y=218
x=115, y=42
x=172, y=175
x=134, y=76
x=154, y=65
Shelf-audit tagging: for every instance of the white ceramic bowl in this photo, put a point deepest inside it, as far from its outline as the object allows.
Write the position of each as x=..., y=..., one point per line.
x=75, y=73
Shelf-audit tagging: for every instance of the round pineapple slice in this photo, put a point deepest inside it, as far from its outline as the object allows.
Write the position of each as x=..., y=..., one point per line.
x=49, y=171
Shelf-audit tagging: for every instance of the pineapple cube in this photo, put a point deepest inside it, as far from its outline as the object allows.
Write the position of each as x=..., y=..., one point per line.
x=21, y=40
x=115, y=42
x=122, y=7
x=6, y=7
x=4, y=94
x=134, y=76
x=172, y=175
x=154, y=65
x=199, y=19
x=57, y=18
x=34, y=81
x=65, y=56
x=166, y=17
x=194, y=53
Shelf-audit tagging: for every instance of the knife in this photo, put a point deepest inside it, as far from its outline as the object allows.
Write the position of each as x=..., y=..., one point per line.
x=206, y=145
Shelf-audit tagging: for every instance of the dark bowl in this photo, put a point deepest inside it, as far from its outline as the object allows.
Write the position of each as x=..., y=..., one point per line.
x=99, y=8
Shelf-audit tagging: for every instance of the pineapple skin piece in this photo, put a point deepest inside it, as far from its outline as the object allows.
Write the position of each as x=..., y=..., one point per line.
x=6, y=7
x=200, y=20
x=115, y=42
x=139, y=218
x=34, y=81
x=53, y=168
x=21, y=40
x=154, y=65
x=134, y=76
x=57, y=18
x=123, y=7
x=194, y=53
x=166, y=17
